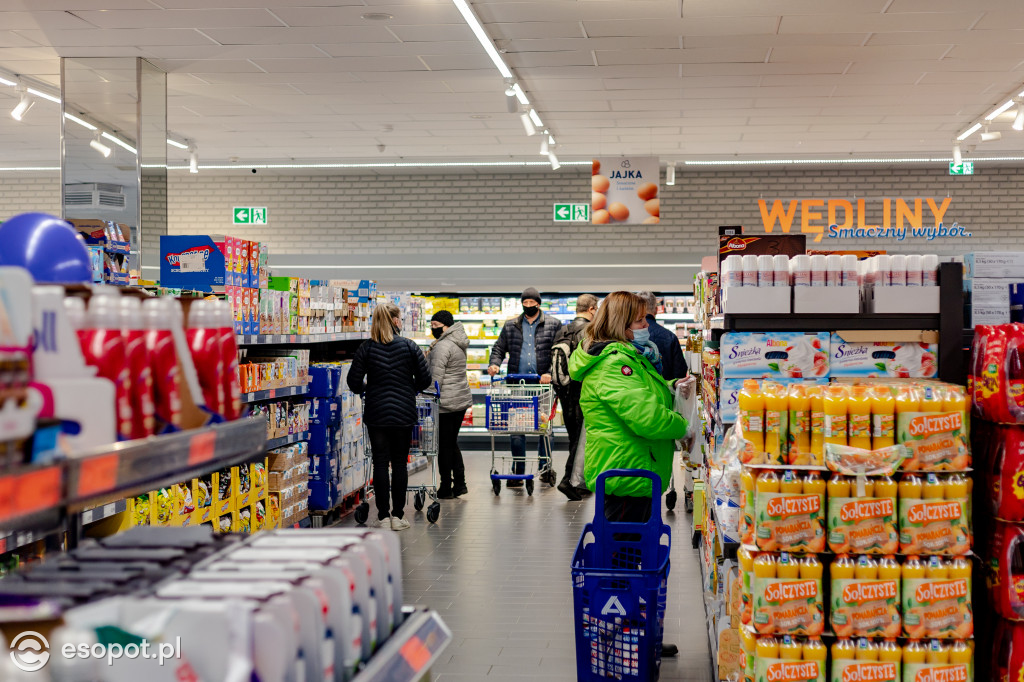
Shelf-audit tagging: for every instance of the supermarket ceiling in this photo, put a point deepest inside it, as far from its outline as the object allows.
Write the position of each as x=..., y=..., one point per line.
x=333, y=80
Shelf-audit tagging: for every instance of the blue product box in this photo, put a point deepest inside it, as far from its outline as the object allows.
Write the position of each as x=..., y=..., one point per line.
x=323, y=439
x=324, y=411
x=322, y=467
x=191, y=262
x=324, y=382
x=323, y=495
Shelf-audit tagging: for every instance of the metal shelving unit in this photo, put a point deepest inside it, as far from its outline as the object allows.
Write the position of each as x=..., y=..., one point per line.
x=286, y=440
x=276, y=339
x=409, y=652
x=273, y=393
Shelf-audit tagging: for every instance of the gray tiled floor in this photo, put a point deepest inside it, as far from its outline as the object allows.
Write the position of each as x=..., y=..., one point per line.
x=497, y=570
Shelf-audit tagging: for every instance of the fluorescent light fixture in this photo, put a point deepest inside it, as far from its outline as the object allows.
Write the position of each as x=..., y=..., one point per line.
x=22, y=107
x=957, y=157
x=119, y=142
x=100, y=147
x=397, y=164
x=554, y=160
x=193, y=159
x=175, y=143
x=551, y=139
x=986, y=136
x=970, y=131
x=44, y=95
x=81, y=122
x=4, y=81
x=1018, y=121
x=670, y=173
x=528, y=124
x=535, y=117
x=999, y=110
x=482, y=37
x=520, y=95
x=544, y=146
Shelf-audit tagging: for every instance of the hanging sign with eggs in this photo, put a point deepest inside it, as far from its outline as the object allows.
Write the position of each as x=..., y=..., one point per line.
x=625, y=189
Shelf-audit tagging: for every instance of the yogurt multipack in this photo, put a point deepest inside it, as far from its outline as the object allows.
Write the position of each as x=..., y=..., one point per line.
x=794, y=355
x=882, y=359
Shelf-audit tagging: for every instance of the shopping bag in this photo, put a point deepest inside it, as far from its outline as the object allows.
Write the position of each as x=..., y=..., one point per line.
x=576, y=478
x=686, y=405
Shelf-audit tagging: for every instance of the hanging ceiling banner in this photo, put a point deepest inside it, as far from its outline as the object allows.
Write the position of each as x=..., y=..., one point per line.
x=625, y=190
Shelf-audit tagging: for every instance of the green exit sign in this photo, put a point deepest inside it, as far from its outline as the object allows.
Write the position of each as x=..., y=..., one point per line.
x=965, y=168
x=249, y=215
x=572, y=213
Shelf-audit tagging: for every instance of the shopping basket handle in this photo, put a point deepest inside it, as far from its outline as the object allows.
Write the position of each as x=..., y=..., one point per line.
x=603, y=526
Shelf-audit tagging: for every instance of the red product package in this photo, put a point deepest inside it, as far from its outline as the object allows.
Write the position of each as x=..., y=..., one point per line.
x=1005, y=470
x=1008, y=652
x=1006, y=582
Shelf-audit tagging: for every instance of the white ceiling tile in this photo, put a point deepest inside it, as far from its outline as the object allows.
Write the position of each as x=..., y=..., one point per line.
x=531, y=60
x=947, y=37
x=310, y=35
x=186, y=18
x=394, y=49
x=65, y=40
x=990, y=51
x=434, y=33
x=887, y=54
x=722, y=55
x=552, y=10
x=207, y=65
x=221, y=52
x=968, y=66
x=580, y=43
x=408, y=15
x=341, y=64
x=879, y=23
x=773, y=41
x=535, y=30
x=456, y=62
x=730, y=8
x=41, y=20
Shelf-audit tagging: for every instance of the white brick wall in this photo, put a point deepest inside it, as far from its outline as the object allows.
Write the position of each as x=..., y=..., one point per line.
x=487, y=214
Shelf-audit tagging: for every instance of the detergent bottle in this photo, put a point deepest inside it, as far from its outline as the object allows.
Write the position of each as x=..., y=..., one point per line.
x=104, y=347
x=163, y=359
x=203, y=336
x=137, y=357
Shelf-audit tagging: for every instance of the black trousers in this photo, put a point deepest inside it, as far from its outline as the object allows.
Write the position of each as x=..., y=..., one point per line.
x=390, y=447
x=572, y=414
x=626, y=508
x=449, y=456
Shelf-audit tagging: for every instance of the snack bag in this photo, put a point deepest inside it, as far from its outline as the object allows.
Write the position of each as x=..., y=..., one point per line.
x=141, y=510
x=862, y=525
x=789, y=522
x=850, y=461
x=791, y=606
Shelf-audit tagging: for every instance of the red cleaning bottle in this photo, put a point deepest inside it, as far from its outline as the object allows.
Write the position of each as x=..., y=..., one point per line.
x=163, y=359
x=204, y=343
x=229, y=358
x=137, y=356
x=103, y=346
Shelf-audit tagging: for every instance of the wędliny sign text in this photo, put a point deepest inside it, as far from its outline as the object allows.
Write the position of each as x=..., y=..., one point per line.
x=836, y=218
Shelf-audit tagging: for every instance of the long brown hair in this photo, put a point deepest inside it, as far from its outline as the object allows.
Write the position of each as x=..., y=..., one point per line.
x=617, y=312
x=382, y=329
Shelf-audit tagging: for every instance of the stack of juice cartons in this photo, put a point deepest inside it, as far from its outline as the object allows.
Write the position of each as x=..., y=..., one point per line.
x=996, y=385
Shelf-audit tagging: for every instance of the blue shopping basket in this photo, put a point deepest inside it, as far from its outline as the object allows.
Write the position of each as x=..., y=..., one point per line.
x=619, y=578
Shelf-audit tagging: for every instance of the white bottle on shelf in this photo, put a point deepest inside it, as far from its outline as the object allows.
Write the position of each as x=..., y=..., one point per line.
x=851, y=273
x=883, y=273
x=819, y=277
x=781, y=270
x=898, y=270
x=914, y=271
x=930, y=270
x=833, y=270
x=765, y=271
x=750, y=271
x=732, y=271
x=800, y=269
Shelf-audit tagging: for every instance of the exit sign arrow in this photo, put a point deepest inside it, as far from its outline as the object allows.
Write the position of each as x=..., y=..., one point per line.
x=249, y=215
x=965, y=168
x=241, y=215
x=572, y=213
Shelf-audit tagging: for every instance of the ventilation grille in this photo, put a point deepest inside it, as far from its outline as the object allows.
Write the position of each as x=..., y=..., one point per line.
x=95, y=194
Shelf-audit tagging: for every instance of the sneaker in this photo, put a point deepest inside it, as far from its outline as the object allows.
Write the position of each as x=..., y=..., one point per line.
x=514, y=483
x=444, y=493
x=669, y=651
x=398, y=524
x=569, y=491
x=379, y=523
x=460, y=490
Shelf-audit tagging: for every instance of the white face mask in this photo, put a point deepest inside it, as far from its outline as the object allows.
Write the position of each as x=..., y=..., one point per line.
x=641, y=336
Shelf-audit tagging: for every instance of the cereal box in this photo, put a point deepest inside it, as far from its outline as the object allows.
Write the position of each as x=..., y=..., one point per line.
x=775, y=354
x=788, y=606
x=778, y=670
x=936, y=440
x=866, y=608
x=789, y=522
x=937, y=609
x=862, y=525
x=862, y=671
x=934, y=526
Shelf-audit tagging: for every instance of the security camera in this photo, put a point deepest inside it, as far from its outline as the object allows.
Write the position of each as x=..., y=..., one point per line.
x=254, y=171
x=381, y=148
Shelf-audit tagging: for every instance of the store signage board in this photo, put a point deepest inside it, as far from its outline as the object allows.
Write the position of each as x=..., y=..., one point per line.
x=965, y=168
x=249, y=215
x=571, y=213
x=625, y=190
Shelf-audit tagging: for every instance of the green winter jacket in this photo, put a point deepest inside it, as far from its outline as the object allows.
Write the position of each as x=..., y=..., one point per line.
x=629, y=416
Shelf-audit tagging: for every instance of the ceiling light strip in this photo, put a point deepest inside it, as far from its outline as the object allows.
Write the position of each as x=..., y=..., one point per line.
x=999, y=110
x=447, y=164
x=970, y=131
x=797, y=162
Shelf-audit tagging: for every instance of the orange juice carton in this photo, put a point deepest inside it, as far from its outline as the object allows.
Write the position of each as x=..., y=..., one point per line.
x=791, y=606
x=936, y=441
x=862, y=525
x=936, y=518
x=938, y=672
x=849, y=670
x=866, y=608
x=789, y=522
x=783, y=670
x=939, y=606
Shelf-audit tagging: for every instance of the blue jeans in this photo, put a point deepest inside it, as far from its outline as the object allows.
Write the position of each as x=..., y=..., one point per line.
x=519, y=454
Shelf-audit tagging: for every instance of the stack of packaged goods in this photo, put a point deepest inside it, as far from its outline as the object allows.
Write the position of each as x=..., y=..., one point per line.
x=266, y=368
x=109, y=249
x=245, y=274
x=894, y=510
x=293, y=305
x=993, y=288
x=337, y=448
x=288, y=485
x=996, y=385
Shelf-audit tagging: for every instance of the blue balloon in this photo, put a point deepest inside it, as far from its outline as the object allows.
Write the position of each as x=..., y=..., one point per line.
x=47, y=247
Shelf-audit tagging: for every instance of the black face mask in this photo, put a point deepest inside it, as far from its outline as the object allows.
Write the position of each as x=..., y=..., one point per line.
x=437, y=331
x=531, y=310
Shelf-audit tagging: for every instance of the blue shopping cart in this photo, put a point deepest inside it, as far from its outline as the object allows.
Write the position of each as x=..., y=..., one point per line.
x=519, y=405
x=619, y=577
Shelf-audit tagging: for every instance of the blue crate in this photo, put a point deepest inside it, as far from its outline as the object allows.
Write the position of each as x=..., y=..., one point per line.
x=620, y=576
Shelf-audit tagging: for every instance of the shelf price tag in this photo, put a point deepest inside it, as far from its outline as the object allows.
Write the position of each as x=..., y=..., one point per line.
x=415, y=653
x=97, y=475
x=36, y=490
x=202, y=447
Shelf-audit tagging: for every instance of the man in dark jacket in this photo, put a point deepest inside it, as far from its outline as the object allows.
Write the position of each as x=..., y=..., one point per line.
x=569, y=338
x=673, y=364
x=527, y=341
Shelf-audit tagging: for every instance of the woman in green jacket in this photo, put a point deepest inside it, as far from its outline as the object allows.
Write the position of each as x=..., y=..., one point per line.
x=627, y=406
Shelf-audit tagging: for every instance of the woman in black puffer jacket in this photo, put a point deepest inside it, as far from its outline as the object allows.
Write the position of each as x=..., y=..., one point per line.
x=391, y=370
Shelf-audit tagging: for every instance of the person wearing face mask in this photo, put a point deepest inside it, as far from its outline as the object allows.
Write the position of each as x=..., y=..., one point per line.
x=447, y=361
x=627, y=409
x=527, y=341
x=673, y=364
x=390, y=370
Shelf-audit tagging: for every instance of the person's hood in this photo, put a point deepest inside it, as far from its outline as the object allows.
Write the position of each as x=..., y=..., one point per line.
x=457, y=335
x=585, y=359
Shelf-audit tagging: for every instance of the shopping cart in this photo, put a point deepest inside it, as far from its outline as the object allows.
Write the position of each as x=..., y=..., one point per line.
x=619, y=578
x=519, y=405
x=424, y=444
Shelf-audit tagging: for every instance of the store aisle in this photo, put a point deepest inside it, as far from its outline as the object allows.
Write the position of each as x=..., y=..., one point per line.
x=497, y=570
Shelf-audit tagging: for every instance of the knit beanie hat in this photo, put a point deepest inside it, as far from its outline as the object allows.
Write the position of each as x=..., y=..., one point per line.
x=530, y=292
x=444, y=317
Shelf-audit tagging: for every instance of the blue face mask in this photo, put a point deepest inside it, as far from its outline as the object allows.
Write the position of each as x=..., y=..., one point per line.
x=641, y=336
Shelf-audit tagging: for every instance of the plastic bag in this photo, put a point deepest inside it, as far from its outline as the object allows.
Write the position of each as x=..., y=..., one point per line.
x=686, y=405
x=851, y=461
x=576, y=478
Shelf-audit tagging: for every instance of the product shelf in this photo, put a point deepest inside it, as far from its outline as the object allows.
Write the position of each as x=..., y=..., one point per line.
x=269, y=339
x=410, y=651
x=796, y=322
x=104, y=512
x=272, y=393
x=286, y=440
